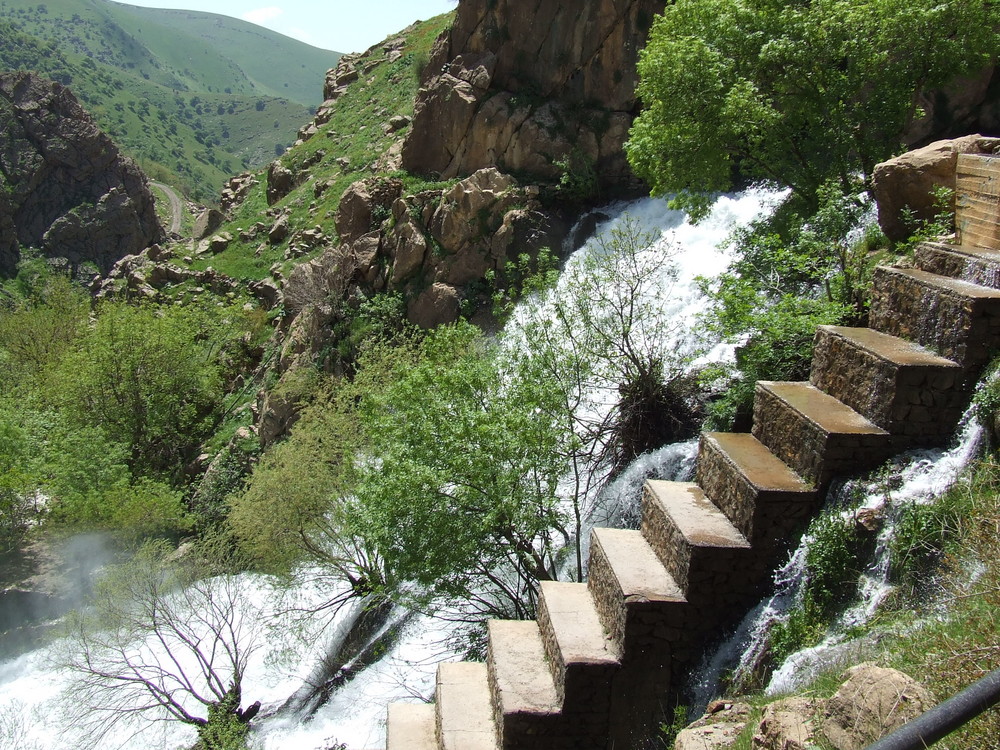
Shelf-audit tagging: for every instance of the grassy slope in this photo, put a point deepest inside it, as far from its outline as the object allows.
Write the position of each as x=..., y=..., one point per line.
x=177, y=121
x=355, y=133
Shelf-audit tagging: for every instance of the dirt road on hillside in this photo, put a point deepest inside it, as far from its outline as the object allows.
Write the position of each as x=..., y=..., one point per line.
x=175, y=207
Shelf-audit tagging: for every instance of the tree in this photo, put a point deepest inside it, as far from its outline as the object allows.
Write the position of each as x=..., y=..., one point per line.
x=163, y=642
x=605, y=338
x=457, y=486
x=793, y=93
x=148, y=378
x=297, y=507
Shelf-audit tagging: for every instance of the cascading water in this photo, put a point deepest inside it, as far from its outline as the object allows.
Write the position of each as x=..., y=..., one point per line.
x=353, y=712
x=917, y=476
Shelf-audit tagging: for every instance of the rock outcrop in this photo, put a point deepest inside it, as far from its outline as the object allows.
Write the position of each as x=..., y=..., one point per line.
x=904, y=186
x=434, y=247
x=531, y=89
x=67, y=189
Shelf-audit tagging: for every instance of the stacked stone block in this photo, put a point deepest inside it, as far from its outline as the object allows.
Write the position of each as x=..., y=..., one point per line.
x=974, y=264
x=599, y=665
x=957, y=319
x=817, y=435
x=898, y=385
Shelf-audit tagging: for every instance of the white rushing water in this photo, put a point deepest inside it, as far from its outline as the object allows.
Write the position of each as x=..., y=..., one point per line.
x=32, y=685
x=917, y=476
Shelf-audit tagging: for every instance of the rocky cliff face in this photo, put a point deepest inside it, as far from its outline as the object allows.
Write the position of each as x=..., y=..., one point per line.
x=530, y=88
x=64, y=186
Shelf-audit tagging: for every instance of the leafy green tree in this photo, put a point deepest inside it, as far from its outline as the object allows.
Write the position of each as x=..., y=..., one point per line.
x=148, y=379
x=18, y=505
x=457, y=489
x=793, y=93
x=40, y=326
x=297, y=506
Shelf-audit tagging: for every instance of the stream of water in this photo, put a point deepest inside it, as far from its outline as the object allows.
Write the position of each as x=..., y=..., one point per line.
x=33, y=688
x=917, y=476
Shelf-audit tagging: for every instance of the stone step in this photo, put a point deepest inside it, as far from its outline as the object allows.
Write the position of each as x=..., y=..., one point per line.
x=689, y=534
x=634, y=594
x=814, y=433
x=526, y=705
x=902, y=387
x=975, y=264
x=464, y=708
x=759, y=494
x=957, y=319
x=410, y=726
x=580, y=652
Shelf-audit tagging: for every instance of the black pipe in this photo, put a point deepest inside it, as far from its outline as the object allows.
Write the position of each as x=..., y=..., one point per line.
x=945, y=717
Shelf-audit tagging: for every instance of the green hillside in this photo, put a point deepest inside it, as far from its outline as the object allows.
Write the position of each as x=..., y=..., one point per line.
x=194, y=97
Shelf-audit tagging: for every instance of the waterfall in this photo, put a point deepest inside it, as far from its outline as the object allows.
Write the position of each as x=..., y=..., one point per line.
x=917, y=476
x=403, y=649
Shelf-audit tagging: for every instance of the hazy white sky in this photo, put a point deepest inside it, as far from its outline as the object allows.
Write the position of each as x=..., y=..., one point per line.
x=340, y=25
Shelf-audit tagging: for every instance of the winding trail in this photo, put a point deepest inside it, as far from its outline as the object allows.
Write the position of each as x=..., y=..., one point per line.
x=175, y=206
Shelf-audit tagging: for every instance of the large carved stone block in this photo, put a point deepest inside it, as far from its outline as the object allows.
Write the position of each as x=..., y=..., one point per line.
x=902, y=387
x=957, y=319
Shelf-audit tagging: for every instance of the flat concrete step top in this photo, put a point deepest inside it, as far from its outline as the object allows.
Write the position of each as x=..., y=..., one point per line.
x=980, y=253
x=410, y=726
x=636, y=566
x=696, y=517
x=464, y=708
x=762, y=468
x=826, y=412
x=577, y=627
x=522, y=678
x=947, y=284
x=890, y=348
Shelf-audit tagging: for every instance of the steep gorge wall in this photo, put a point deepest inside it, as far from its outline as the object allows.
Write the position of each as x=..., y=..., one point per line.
x=526, y=87
x=65, y=188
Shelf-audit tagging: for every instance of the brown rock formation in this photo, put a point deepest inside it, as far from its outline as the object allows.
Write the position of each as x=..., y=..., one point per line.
x=66, y=187
x=524, y=88
x=906, y=183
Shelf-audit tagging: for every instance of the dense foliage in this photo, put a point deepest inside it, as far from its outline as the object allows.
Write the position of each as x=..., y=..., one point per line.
x=793, y=93
x=104, y=409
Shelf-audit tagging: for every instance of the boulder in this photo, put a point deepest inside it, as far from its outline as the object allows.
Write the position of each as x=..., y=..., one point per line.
x=873, y=702
x=437, y=305
x=280, y=182
x=787, y=724
x=907, y=182
x=207, y=222
x=219, y=242
x=362, y=203
x=279, y=231
x=718, y=729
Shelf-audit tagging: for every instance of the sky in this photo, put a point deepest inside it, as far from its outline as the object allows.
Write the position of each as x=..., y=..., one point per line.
x=339, y=25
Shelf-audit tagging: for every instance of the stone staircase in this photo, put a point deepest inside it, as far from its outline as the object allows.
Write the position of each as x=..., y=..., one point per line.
x=596, y=667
